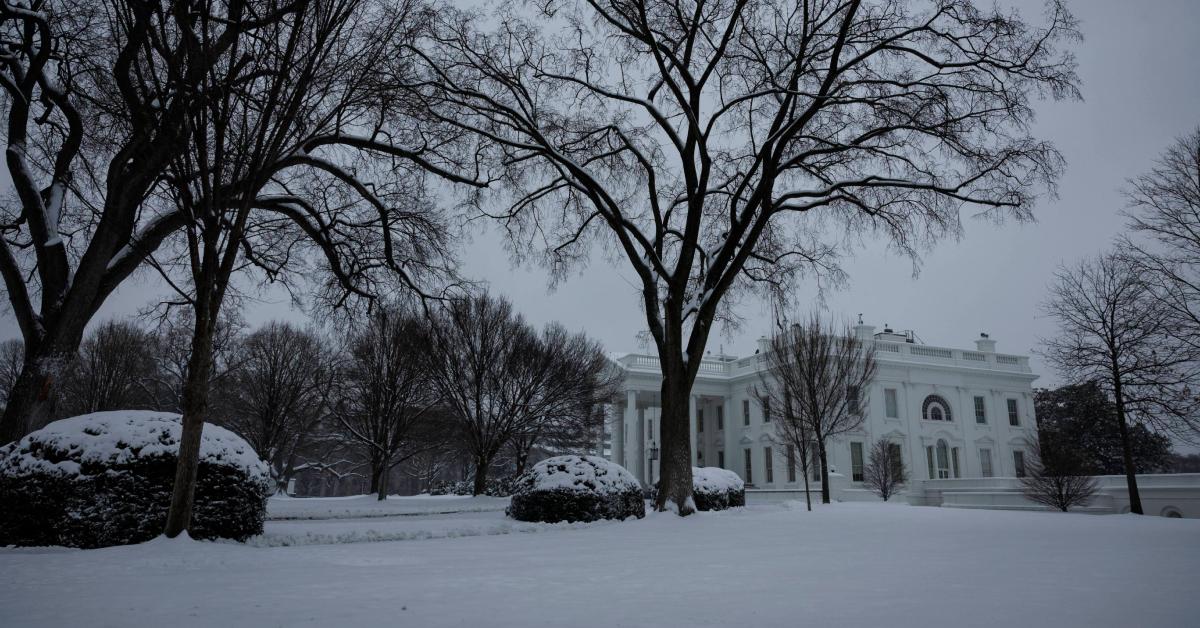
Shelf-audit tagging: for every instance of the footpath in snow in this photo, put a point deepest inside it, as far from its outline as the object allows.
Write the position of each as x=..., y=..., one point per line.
x=841, y=565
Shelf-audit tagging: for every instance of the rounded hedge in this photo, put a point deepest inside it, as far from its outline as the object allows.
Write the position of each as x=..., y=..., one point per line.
x=576, y=488
x=714, y=488
x=105, y=479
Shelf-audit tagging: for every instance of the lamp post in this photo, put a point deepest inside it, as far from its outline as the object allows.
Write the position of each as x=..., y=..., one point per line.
x=653, y=457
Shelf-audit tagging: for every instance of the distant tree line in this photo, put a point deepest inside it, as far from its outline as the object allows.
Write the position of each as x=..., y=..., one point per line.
x=402, y=395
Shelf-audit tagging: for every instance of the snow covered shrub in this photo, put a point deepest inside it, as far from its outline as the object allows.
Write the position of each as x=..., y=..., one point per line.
x=576, y=488
x=714, y=488
x=105, y=479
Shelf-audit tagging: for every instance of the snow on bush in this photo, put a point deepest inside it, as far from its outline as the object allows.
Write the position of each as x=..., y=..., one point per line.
x=105, y=479
x=713, y=488
x=496, y=487
x=576, y=488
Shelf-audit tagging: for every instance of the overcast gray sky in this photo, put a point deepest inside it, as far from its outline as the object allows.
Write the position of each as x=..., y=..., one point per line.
x=1140, y=67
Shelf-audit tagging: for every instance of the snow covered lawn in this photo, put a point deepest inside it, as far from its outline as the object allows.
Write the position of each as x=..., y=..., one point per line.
x=362, y=506
x=842, y=565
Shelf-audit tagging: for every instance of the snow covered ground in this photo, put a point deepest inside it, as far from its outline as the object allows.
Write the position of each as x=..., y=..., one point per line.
x=363, y=506
x=841, y=565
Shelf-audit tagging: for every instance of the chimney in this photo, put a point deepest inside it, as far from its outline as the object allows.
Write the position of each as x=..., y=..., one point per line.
x=985, y=344
x=862, y=331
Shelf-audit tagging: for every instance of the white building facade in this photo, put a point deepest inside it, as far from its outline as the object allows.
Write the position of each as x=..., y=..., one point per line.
x=955, y=413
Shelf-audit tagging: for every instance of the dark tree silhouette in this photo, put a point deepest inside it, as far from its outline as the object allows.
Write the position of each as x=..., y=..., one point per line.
x=733, y=146
x=822, y=370
x=113, y=370
x=1082, y=419
x=1113, y=329
x=884, y=472
x=1057, y=477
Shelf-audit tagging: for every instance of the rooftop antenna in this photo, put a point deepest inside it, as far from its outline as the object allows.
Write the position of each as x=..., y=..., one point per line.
x=860, y=318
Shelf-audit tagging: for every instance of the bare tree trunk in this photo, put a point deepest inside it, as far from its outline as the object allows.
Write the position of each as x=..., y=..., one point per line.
x=384, y=474
x=481, y=470
x=675, y=463
x=824, y=471
x=522, y=460
x=1135, y=498
x=30, y=403
x=195, y=408
x=804, y=471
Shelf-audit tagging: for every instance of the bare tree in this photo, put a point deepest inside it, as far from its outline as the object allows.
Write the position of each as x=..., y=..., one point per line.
x=1057, y=478
x=12, y=355
x=791, y=427
x=386, y=391
x=884, y=472
x=823, y=369
x=296, y=157
x=503, y=381
x=1164, y=206
x=173, y=348
x=1113, y=329
x=112, y=371
x=732, y=146
x=278, y=394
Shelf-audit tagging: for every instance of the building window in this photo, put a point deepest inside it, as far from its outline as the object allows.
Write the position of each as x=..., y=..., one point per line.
x=856, y=462
x=720, y=418
x=721, y=459
x=936, y=408
x=943, y=460
x=897, y=458
x=791, y=463
x=985, y=462
x=1014, y=418
x=816, y=461
x=650, y=429
x=745, y=412
x=929, y=459
x=766, y=404
x=980, y=411
x=1019, y=463
x=749, y=467
x=891, y=408
x=852, y=401
x=768, y=465
x=699, y=420
x=954, y=461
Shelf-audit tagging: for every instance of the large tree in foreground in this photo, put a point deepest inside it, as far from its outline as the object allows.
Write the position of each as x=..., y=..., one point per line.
x=1113, y=329
x=728, y=146
x=823, y=370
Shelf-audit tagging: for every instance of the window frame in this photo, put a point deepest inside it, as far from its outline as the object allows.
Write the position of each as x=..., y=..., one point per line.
x=1014, y=412
x=891, y=403
x=745, y=412
x=699, y=419
x=985, y=462
x=768, y=466
x=748, y=454
x=791, y=464
x=857, y=463
x=1019, y=463
x=980, y=410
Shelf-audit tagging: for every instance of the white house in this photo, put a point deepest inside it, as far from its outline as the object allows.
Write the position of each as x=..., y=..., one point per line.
x=956, y=413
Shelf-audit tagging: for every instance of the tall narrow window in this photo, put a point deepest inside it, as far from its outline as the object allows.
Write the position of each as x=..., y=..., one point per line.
x=985, y=462
x=815, y=461
x=929, y=459
x=650, y=428
x=897, y=458
x=852, y=400
x=1014, y=418
x=856, y=462
x=891, y=407
x=791, y=463
x=768, y=465
x=954, y=461
x=749, y=466
x=766, y=404
x=721, y=459
x=720, y=418
x=699, y=420
x=980, y=411
x=745, y=412
x=1019, y=463
x=943, y=460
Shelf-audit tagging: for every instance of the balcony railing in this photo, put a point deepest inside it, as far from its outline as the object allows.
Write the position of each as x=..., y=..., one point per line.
x=885, y=351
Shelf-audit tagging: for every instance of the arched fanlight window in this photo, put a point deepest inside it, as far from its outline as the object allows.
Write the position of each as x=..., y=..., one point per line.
x=936, y=408
x=943, y=459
